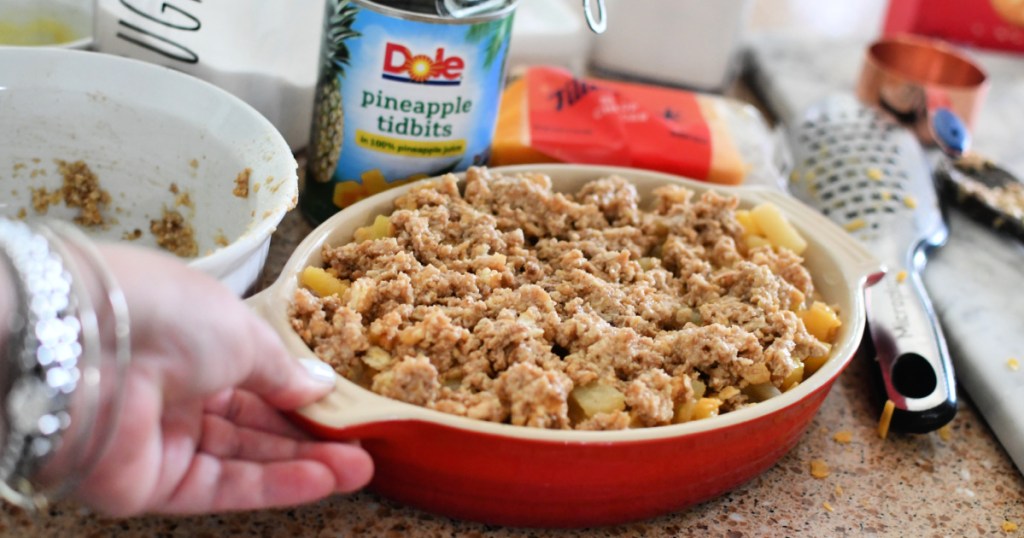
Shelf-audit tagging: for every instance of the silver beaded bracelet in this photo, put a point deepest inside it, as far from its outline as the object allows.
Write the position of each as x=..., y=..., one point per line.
x=59, y=384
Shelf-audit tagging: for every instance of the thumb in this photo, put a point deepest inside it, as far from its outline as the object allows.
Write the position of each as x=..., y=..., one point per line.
x=312, y=379
x=284, y=381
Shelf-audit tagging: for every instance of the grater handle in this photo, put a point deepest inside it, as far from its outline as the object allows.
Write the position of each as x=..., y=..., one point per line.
x=911, y=352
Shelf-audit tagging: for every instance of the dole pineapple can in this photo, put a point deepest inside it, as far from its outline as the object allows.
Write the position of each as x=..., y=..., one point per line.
x=403, y=93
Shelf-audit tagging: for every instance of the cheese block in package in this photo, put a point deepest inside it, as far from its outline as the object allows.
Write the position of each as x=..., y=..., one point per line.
x=547, y=115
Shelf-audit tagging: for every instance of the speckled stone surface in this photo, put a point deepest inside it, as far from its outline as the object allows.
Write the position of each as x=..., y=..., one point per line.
x=905, y=485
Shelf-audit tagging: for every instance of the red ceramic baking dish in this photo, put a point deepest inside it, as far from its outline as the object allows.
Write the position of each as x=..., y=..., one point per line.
x=529, y=477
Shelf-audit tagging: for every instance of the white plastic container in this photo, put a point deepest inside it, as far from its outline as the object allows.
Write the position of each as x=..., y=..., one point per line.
x=690, y=43
x=264, y=52
x=550, y=32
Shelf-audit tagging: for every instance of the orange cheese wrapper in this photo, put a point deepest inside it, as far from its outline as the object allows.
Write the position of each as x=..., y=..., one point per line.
x=547, y=115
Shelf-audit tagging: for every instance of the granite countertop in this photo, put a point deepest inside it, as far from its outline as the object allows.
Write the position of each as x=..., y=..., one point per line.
x=956, y=483
x=960, y=484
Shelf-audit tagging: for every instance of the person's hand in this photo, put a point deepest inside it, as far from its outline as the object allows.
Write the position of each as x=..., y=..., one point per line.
x=200, y=429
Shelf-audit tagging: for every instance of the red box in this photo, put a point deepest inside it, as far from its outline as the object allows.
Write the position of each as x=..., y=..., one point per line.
x=990, y=24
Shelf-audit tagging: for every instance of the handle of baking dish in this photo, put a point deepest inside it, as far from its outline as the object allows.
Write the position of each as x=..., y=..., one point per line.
x=860, y=267
x=348, y=405
x=348, y=411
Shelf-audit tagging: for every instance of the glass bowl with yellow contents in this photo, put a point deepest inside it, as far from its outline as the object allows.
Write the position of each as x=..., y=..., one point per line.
x=567, y=345
x=46, y=23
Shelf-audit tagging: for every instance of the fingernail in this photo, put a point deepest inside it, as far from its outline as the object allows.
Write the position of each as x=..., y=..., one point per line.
x=319, y=370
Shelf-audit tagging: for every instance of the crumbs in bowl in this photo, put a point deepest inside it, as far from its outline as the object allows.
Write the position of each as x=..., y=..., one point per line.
x=242, y=183
x=80, y=189
x=512, y=303
x=174, y=234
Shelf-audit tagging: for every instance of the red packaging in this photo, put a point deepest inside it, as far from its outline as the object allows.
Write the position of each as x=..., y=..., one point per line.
x=548, y=115
x=991, y=24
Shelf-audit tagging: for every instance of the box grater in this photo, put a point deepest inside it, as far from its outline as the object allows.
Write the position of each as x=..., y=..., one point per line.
x=870, y=175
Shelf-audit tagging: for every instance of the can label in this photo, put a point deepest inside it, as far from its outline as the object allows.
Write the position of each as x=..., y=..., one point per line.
x=400, y=98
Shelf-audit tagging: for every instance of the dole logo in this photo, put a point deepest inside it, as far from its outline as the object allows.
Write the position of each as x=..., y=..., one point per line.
x=401, y=65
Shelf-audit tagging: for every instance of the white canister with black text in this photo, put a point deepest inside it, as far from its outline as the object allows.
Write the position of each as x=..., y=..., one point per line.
x=263, y=52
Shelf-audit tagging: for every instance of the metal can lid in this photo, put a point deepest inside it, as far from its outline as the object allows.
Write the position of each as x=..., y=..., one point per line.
x=595, y=14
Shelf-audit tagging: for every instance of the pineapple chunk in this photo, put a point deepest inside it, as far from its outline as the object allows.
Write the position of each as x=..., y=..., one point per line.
x=647, y=263
x=821, y=321
x=706, y=408
x=359, y=374
x=756, y=374
x=377, y=358
x=321, y=282
x=756, y=241
x=794, y=378
x=727, y=392
x=699, y=388
x=684, y=411
x=380, y=228
x=776, y=228
x=589, y=400
x=812, y=364
x=750, y=227
x=761, y=391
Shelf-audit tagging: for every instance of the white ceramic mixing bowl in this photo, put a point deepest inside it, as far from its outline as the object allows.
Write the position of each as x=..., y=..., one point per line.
x=142, y=128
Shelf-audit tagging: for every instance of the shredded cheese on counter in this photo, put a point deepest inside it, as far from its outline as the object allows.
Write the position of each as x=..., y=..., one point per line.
x=886, y=419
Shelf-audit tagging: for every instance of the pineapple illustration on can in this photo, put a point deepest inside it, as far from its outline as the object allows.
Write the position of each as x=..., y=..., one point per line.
x=407, y=90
